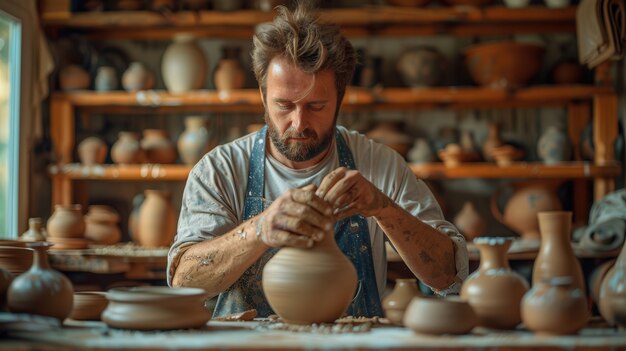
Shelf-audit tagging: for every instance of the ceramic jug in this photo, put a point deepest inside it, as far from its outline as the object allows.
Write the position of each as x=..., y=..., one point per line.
x=66, y=222
x=184, y=65
x=127, y=149
x=495, y=291
x=612, y=304
x=556, y=257
x=106, y=79
x=35, y=230
x=470, y=222
x=195, y=141
x=396, y=302
x=41, y=290
x=554, y=146
x=156, y=221
x=555, y=307
x=526, y=200
x=156, y=146
x=92, y=151
x=305, y=286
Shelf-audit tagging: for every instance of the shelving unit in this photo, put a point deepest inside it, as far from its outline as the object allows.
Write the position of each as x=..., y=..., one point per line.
x=584, y=103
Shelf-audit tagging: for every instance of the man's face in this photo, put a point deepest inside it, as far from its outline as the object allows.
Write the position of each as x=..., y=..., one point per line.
x=300, y=111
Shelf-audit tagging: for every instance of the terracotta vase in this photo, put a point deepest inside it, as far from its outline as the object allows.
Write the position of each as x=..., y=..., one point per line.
x=553, y=146
x=74, y=77
x=526, y=201
x=556, y=257
x=422, y=67
x=127, y=149
x=492, y=141
x=184, y=66
x=66, y=222
x=305, y=286
x=437, y=316
x=470, y=222
x=101, y=225
x=555, y=307
x=41, y=290
x=137, y=77
x=229, y=74
x=391, y=134
x=92, y=151
x=156, y=146
x=613, y=293
x=195, y=141
x=396, y=302
x=495, y=291
x=35, y=230
x=106, y=79
x=5, y=281
x=156, y=220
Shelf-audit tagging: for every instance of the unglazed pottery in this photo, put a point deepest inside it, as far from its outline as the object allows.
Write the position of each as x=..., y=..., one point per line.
x=133, y=218
x=101, y=225
x=74, y=77
x=137, y=77
x=126, y=150
x=504, y=64
x=505, y=155
x=613, y=293
x=554, y=146
x=527, y=199
x=567, y=71
x=396, y=302
x=422, y=67
x=421, y=152
x=437, y=316
x=556, y=257
x=5, y=281
x=92, y=151
x=88, y=305
x=391, y=134
x=596, y=279
x=41, y=290
x=156, y=146
x=305, y=286
x=195, y=141
x=495, y=291
x=156, y=221
x=229, y=74
x=184, y=66
x=15, y=259
x=555, y=307
x=106, y=79
x=35, y=230
x=66, y=222
x=470, y=222
x=453, y=155
x=156, y=308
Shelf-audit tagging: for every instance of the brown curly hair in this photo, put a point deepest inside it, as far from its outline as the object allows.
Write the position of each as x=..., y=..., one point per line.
x=311, y=46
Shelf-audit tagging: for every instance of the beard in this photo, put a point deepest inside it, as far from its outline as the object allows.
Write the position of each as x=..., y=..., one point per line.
x=299, y=151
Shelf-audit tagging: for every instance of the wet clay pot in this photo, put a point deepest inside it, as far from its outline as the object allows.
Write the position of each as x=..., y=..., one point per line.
x=157, y=147
x=495, y=291
x=66, y=222
x=101, y=225
x=92, y=151
x=5, y=281
x=41, y=290
x=396, y=302
x=127, y=149
x=305, y=286
x=184, y=66
x=195, y=141
x=556, y=257
x=437, y=316
x=156, y=221
x=470, y=222
x=613, y=293
x=527, y=199
x=156, y=308
x=35, y=230
x=555, y=307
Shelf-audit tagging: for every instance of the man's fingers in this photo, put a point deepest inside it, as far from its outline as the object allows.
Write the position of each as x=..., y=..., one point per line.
x=309, y=198
x=329, y=181
x=319, y=222
x=281, y=238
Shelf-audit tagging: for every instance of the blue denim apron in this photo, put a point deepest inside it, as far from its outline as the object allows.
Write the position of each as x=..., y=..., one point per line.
x=351, y=234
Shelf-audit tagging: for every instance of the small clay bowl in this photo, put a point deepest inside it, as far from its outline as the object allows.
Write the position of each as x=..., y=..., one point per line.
x=438, y=316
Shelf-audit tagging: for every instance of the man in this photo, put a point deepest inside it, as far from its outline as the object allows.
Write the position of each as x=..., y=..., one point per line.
x=300, y=177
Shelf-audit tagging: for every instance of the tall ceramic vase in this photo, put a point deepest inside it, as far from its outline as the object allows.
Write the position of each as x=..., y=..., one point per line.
x=398, y=300
x=156, y=220
x=613, y=293
x=305, y=286
x=495, y=291
x=41, y=290
x=556, y=257
x=184, y=66
x=195, y=141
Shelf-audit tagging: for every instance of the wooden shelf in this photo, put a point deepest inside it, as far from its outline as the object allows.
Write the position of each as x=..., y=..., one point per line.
x=140, y=172
x=355, y=22
x=248, y=100
x=570, y=170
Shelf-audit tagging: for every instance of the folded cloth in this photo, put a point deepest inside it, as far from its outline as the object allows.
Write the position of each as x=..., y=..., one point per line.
x=607, y=224
x=600, y=30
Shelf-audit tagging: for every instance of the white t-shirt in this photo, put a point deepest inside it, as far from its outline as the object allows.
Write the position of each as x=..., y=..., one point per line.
x=213, y=199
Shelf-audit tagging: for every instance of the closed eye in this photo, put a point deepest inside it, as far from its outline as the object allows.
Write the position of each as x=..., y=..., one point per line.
x=317, y=106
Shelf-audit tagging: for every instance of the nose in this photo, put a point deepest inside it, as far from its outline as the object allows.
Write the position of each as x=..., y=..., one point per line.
x=298, y=120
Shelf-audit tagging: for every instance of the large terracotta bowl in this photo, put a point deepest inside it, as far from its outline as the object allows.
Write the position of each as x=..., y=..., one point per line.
x=156, y=308
x=437, y=316
x=504, y=64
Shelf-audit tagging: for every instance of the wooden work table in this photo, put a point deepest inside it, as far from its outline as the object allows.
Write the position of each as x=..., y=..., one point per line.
x=252, y=336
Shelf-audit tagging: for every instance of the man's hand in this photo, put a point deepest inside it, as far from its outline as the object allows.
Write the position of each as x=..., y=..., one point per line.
x=349, y=193
x=297, y=218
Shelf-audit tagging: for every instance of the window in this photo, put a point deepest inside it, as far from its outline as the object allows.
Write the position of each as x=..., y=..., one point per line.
x=10, y=49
